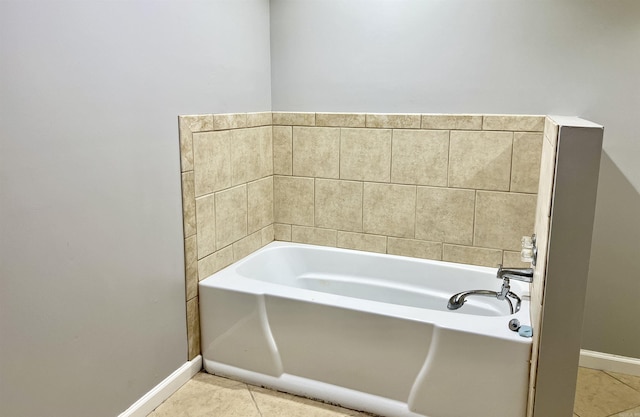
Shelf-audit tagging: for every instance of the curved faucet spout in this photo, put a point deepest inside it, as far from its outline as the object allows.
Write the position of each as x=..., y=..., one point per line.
x=457, y=300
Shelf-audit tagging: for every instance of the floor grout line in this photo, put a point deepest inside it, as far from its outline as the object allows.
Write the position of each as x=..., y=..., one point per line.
x=621, y=381
x=254, y=399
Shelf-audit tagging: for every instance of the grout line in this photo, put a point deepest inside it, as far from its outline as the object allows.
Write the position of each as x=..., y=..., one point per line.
x=315, y=180
x=273, y=153
x=513, y=139
x=339, y=152
x=391, y=156
x=448, y=156
x=475, y=211
x=253, y=399
x=619, y=380
x=362, y=207
x=415, y=212
x=314, y=203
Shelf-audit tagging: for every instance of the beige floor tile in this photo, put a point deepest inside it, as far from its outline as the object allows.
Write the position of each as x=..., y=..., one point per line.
x=599, y=394
x=629, y=413
x=214, y=381
x=279, y=404
x=208, y=395
x=631, y=380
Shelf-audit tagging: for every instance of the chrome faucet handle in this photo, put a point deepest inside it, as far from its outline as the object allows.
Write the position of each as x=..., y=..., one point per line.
x=505, y=289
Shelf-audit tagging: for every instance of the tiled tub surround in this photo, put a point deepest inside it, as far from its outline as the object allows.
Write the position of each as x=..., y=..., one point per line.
x=458, y=188
x=227, y=197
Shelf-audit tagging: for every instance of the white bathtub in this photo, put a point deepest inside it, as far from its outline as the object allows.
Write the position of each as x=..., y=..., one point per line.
x=367, y=331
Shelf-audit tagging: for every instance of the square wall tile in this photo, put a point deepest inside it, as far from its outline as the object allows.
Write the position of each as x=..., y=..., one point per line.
x=395, y=121
x=471, y=255
x=525, y=168
x=512, y=259
x=193, y=328
x=251, y=154
x=365, y=154
x=215, y=262
x=282, y=232
x=259, y=119
x=260, y=204
x=480, y=160
x=316, y=152
x=191, y=267
x=188, y=204
x=452, y=121
x=445, y=215
x=267, y=234
x=414, y=248
x=340, y=119
x=389, y=209
x=361, y=241
x=206, y=225
x=187, y=125
x=231, y=215
x=197, y=122
x=211, y=161
x=282, y=150
x=293, y=200
x=503, y=218
x=186, y=146
x=294, y=119
x=338, y=204
x=513, y=122
x=229, y=121
x=313, y=236
x=247, y=245
x=420, y=157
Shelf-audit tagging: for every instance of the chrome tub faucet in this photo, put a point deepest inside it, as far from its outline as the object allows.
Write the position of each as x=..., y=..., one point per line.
x=505, y=274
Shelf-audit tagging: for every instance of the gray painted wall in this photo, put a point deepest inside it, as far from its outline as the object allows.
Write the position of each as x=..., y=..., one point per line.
x=92, y=309
x=491, y=56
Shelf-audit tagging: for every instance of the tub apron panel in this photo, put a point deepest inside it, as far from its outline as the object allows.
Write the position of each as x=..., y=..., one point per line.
x=362, y=351
x=491, y=376
x=235, y=331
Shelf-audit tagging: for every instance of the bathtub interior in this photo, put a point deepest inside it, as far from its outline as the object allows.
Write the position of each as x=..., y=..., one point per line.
x=264, y=321
x=388, y=279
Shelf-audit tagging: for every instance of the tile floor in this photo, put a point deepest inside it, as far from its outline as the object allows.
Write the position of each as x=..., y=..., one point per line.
x=598, y=394
x=606, y=394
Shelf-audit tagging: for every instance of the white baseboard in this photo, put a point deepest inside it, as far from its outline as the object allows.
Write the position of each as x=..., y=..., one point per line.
x=152, y=399
x=608, y=362
x=158, y=394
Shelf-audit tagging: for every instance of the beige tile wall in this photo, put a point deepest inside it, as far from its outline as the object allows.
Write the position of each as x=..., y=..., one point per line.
x=455, y=187
x=227, y=197
x=461, y=188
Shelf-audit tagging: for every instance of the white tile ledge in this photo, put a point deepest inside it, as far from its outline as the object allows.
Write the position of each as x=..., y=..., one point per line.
x=158, y=394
